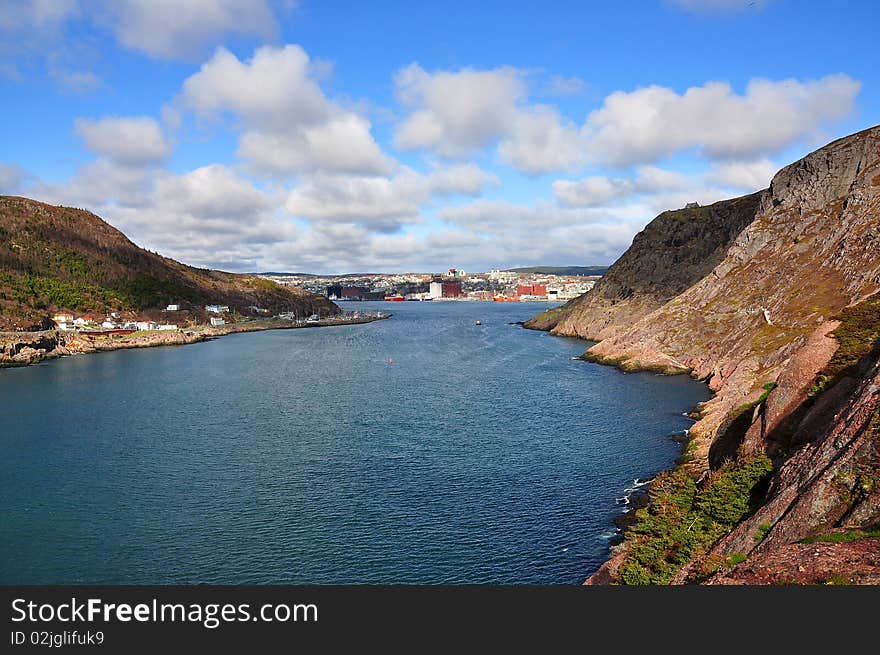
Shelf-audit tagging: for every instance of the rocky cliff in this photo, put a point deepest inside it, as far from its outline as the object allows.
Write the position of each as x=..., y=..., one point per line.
x=675, y=250
x=764, y=318
x=55, y=259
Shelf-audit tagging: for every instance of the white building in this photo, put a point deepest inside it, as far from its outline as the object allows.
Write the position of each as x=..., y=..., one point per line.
x=435, y=290
x=217, y=309
x=146, y=325
x=172, y=308
x=217, y=321
x=167, y=326
x=63, y=318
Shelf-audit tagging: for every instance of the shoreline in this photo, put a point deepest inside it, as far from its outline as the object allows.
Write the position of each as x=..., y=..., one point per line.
x=18, y=349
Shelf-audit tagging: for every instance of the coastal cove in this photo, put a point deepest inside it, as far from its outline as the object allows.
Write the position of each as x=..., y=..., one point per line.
x=421, y=449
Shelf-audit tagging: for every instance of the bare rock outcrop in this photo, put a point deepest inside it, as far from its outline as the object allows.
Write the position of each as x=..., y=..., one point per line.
x=674, y=251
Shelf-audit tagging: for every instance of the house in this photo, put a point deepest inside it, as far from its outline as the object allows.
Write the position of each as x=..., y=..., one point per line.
x=167, y=326
x=172, y=308
x=109, y=325
x=63, y=318
x=215, y=321
x=146, y=325
x=217, y=309
x=82, y=322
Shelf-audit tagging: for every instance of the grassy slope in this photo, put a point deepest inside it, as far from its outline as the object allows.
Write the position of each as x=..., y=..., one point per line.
x=62, y=259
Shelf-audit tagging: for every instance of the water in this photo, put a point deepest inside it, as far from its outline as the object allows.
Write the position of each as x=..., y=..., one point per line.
x=482, y=454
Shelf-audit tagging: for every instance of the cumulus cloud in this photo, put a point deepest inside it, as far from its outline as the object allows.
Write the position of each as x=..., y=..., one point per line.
x=456, y=113
x=170, y=29
x=381, y=203
x=289, y=125
x=744, y=175
x=343, y=144
x=654, y=122
x=540, y=140
x=130, y=140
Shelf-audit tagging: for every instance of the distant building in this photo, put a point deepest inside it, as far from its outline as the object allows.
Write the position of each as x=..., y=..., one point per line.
x=217, y=309
x=339, y=292
x=537, y=290
x=109, y=325
x=172, y=308
x=215, y=321
x=146, y=325
x=692, y=205
x=451, y=289
x=435, y=290
x=63, y=318
x=167, y=326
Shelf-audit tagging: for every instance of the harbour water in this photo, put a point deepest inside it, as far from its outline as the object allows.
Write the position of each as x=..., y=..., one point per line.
x=420, y=449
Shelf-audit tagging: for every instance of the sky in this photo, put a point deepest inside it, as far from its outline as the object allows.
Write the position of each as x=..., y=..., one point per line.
x=326, y=137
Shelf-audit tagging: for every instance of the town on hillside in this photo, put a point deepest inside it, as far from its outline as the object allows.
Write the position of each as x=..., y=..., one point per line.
x=455, y=284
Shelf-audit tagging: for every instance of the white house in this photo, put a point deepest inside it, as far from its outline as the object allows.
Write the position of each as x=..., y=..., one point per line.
x=63, y=318
x=146, y=325
x=216, y=309
x=167, y=326
x=172, y=308
x=217, y=321
x=109, y=325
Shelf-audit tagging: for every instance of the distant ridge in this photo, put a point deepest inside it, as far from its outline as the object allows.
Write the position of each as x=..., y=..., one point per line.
x=561, y=270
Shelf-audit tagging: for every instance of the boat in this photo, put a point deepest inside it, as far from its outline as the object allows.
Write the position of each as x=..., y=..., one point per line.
x=395, y=298
x=478, y=322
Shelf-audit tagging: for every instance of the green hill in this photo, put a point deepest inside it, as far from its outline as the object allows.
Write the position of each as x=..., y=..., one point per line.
x=55, y=259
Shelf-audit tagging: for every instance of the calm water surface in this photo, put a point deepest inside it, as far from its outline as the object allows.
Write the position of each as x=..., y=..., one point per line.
x=482, y=454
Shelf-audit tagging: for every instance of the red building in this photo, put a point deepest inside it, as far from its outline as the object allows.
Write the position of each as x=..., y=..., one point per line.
x=451, y=289
x=531, y=289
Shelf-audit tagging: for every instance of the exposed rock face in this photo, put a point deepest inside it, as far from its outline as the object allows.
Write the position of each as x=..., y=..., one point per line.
x=762, y=315
x=675, y=250
x=830, y=485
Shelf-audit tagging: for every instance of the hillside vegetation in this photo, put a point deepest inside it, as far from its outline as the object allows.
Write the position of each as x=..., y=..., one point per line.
x=56, y=259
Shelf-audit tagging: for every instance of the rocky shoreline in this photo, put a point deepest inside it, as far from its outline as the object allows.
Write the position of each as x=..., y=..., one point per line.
x=26, y=348
x=773, y=300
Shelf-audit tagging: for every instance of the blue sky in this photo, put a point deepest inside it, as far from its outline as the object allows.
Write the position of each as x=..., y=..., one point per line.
x=335, y=136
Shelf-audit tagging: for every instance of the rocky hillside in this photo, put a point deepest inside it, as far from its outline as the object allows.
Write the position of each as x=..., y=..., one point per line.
x=780, y=323
x=56, y=259
x=677, y=249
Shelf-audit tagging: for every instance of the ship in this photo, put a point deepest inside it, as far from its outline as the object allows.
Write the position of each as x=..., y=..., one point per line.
x=397, y=298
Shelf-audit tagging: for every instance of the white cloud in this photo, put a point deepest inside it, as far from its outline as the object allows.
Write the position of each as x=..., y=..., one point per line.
x=272, y=89
x=747, y=176
x=381, y=203
x=540, y=141
x=342, y=144
x=600, y=190
x=131, y=140
x=290, y=125
x=654, y=122
x=458, y=113
x=170, y=29
x=718, y=6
